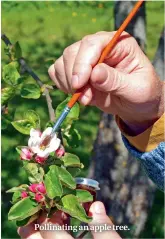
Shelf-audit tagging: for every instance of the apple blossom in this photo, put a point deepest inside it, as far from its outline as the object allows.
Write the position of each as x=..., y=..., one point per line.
x=37, y=145
x=60, y=152
x=37, y=187
x=32, y=187
x=39, y=197
x=40, y=160
x=24, y=194
x=41, y=188
x=26, y=154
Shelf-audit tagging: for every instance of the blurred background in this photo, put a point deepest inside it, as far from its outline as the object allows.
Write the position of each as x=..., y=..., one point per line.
x=43, y=30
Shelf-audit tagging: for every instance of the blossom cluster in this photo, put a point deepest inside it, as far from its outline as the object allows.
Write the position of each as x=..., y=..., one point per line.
x=38, y=190
x=38, y=149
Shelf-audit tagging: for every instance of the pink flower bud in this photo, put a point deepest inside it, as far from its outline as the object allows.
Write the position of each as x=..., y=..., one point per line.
x=37, y=187
x=24, y=194
x=41, y=188
x=39, y=197
x=60, y=152
x=40, y=160
x=26, y=154
x=33, y=187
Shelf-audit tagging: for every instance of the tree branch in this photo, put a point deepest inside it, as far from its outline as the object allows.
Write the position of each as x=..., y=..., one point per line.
x=25, y=66
x=6, y=40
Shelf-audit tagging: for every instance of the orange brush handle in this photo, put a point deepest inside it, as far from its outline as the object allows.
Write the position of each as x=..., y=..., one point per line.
x=109, y=47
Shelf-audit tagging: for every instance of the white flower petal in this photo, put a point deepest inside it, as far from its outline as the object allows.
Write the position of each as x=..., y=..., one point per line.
x=35, y=150
x=43, y=153
x=30, y=142
x=34, y=133
x=34, y=141
x=46, y=133
x=54, y=144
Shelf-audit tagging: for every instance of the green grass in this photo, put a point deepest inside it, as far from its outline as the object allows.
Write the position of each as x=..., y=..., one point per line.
x=44, y=29
x=155, y=22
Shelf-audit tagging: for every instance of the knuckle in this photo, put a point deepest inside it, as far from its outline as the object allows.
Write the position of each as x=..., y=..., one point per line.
x=58, y=63
x=89, y=40
x=69, y=52
x=86, y=38
x=133, y=40
x=126, y=34
x=101, y=33
x=66, y=51
x=130, y=38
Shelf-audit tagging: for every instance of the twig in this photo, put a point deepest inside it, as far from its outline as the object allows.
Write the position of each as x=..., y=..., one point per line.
x=35, y=77
x=49, y=104
x=6, y=40
x=30, y=71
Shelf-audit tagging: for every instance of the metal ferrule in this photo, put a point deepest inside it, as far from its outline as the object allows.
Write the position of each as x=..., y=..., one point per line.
x=61, y=119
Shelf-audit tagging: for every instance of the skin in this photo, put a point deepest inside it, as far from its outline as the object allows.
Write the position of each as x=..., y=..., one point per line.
x=97, y=210
x=125, y=84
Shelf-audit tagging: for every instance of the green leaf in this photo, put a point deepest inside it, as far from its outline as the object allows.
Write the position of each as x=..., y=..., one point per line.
x=71, y=205
x=14, y=51
x=7, y=94
x=52, y=183
x=49, y=124
x=71, y=160
x=32, y=116
x=23, y=126
x=66, y=178
x=74, y=171
x=7, y=50
x=16, y=196
x=23, y=222
x=23, y=209
x=30, y=91
x=35, y=172
x=5, y=121
x=67, y=190
x=10, y=74
x=72, y=137
x=27, y=220
x=84, y=196
x=20, y=188
x=17, y=50
x=18, y=149
x=73, y=114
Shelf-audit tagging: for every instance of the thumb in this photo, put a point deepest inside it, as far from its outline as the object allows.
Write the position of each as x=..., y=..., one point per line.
x=100, y=219
x=107, y=79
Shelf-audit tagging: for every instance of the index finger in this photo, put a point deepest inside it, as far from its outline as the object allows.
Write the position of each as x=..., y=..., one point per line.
x=87, y=57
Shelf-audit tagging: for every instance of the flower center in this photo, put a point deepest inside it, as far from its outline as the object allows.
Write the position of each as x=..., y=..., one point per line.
x=42, y=147
x=45, y=142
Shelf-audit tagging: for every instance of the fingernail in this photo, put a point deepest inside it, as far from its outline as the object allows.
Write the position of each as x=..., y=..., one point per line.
x=74, y=81
x=84, y=100
x=51, y=72
x=99, y=208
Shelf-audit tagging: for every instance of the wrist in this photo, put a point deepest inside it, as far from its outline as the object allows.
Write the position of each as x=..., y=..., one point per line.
x=136, y=125
x=135, y=128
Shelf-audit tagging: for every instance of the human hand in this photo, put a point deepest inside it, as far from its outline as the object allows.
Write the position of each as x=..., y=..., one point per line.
x=125, y=84
x=99, y=217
